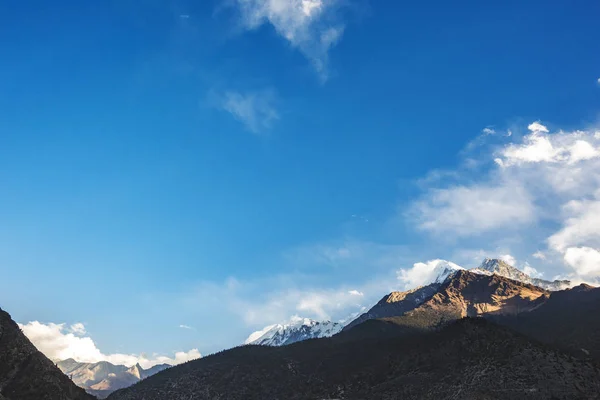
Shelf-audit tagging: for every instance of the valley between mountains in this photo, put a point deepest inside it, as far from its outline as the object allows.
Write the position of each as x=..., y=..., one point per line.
x=492, y=332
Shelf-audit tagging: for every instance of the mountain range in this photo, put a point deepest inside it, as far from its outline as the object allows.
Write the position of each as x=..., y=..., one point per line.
x=469, y=334
x=102, y=378
x=393, y=304
x=473, y=336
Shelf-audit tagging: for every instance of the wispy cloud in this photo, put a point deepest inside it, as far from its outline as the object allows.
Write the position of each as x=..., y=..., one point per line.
x=182, y=326
x=311, y=26
x=60, y=342
x=472, y=209
x=255, y=109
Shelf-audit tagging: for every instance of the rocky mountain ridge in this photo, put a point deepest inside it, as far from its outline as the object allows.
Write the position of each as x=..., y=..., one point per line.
x=502, y=268
x=102, y=378
x=463, y=294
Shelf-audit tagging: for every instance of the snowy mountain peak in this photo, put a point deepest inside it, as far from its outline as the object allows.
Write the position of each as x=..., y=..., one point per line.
x=297, y=329
x=502, y=268
x=444, y=269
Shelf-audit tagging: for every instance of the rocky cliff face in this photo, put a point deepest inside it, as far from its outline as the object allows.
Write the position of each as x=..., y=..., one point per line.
x=26, y=374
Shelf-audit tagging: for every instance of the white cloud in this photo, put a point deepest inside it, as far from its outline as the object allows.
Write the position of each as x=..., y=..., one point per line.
x=469, y=210
x=536, y=183
x=256, y=110
x=58, y=342
x=488, y=131
x=507, y=258
x=320, y=304
x=537, y=127
x=539, y=255
x=355, y=293
x=183, y=326
x=78, y=329
x=585, y=261
x=581, y=226
x=424, y=273
x=306, y=24
x=540, y=146
x=537, y=148
x=529, y=270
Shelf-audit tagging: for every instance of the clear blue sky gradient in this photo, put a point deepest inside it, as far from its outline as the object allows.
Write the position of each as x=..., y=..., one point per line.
x=121, y=187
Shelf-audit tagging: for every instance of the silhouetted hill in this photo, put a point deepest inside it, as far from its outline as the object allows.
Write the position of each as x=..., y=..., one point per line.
x=26, y=374
x=467, y=359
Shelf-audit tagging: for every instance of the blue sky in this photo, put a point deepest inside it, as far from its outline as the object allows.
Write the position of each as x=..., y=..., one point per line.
x=228, y=164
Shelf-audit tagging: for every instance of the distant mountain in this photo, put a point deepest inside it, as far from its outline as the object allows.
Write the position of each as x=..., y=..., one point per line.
x=463, y=294
x=102, y=378
x=296, y=330
x=468, y=359
x=501, y=268
x=27, y=374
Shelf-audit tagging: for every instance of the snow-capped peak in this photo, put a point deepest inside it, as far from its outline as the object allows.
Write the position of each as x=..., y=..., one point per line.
x=443, y=269
x=500, y=267
x=297, y=329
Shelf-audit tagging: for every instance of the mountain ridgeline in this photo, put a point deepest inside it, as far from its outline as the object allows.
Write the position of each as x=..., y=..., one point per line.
x=472, y=334
x=297, y=330
x=102, y=378
x=487, y=333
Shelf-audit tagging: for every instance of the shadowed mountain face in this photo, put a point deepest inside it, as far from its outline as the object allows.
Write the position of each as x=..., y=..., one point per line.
x=463, y=294
x=570, y=319
x=26, y=374
x=103, y=378
x=468, y=359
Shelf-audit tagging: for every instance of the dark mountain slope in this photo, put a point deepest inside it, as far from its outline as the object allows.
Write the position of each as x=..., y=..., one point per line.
x=468, y=359
x=26, y=374
x=570, y=319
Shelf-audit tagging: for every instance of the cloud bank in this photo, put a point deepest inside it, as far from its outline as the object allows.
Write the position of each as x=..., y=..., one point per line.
x=541, y=183
x=59, y=342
